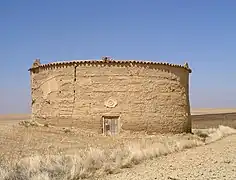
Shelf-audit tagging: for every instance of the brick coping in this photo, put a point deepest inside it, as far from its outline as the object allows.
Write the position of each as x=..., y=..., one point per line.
x=37, y=63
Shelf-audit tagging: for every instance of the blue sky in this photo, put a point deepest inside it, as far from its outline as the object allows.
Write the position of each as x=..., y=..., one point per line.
x=201, y=32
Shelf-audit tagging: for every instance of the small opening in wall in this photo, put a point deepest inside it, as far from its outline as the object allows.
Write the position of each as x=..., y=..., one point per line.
x=33, y=101
x=110, y=125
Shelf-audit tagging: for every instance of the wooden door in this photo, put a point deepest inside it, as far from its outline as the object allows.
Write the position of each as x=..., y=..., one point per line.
x=110, y=125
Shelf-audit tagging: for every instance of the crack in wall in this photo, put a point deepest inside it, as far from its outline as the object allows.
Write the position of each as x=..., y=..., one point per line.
x=74, y=91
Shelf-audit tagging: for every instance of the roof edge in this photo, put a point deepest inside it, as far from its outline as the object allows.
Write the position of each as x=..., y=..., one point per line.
x=37, y=63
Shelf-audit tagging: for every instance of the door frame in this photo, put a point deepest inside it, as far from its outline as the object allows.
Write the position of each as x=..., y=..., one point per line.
x=115, y=117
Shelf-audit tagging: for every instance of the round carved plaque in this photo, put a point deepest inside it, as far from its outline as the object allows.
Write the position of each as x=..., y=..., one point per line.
x=111, y=103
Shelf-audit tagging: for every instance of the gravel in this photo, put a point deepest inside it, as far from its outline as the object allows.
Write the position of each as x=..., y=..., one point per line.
x=213, y=161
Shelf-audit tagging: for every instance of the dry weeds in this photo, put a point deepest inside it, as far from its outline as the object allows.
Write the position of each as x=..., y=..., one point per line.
x=42, y=153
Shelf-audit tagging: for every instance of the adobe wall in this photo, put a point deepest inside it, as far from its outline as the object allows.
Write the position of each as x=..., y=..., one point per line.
x=149, y=97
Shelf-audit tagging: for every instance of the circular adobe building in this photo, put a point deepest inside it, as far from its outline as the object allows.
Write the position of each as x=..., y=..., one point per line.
x=109, y=96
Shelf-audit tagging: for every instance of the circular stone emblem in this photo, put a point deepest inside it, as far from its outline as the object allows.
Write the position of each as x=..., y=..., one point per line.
x=111, y=103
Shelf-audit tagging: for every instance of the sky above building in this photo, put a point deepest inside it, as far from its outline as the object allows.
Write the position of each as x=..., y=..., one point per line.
x=200, y=32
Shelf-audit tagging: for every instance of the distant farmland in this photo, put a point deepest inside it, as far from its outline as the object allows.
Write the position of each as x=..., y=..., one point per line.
x=201, y=121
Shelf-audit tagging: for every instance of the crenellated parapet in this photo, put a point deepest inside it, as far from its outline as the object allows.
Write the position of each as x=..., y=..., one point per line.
x=105, y=60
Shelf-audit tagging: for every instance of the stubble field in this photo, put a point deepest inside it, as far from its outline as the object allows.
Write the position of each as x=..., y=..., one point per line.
x=36, y=152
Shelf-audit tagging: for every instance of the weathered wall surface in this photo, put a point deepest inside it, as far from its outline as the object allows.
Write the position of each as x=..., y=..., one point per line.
x=151, y=97
x=52, y=93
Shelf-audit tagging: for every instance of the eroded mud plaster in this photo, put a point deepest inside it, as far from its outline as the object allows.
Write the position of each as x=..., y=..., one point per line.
x=148, y=96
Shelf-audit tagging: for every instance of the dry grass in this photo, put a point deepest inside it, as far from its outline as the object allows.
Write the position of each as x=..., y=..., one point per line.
x=88, y=155
x=214, y=134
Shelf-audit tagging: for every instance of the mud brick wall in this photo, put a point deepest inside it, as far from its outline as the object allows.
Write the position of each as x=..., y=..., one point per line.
x=152, y=97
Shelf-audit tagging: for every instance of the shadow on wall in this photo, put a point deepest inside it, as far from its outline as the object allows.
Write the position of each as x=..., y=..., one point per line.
x=213, y=120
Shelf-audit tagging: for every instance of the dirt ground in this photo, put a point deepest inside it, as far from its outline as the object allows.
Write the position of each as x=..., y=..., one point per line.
x=213, y=161
x=27, y=141
x=17, y=141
